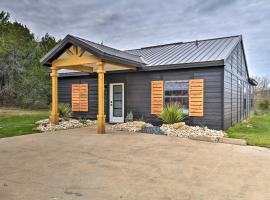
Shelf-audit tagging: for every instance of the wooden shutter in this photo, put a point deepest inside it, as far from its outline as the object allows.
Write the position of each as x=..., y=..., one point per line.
x=83, y=97
x=79, y=97
x=75, y=98
x=157, y=97
x=196, y=98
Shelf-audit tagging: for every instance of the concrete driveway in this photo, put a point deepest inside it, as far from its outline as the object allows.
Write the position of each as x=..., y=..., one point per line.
x=79, y=164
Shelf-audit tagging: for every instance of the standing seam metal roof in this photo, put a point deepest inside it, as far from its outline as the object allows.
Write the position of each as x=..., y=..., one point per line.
x=112, y=51
x=187, y=52
x=174, y=54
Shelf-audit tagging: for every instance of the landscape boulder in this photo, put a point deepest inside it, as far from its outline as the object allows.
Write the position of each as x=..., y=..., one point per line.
x=139, y=124
x=179, y=125
x=134, y=126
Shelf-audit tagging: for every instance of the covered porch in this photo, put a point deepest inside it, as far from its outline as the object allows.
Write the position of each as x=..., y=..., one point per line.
x=77, y=54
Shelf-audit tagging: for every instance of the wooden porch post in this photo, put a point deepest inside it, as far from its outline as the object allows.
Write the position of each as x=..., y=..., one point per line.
x=100, y=116
x=54, y=118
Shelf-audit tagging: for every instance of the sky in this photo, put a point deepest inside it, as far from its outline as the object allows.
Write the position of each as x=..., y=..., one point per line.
x=129, y=24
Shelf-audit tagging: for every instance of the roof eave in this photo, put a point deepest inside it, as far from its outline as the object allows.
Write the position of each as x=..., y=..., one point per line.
x=218, y=63
x=70, y=40
x=245, y=58
x=107, y=57
x=184, y=65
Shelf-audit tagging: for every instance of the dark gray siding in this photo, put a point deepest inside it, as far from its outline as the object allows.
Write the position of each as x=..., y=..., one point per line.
x=64, y=91
x=237, y=90
x=138, y=91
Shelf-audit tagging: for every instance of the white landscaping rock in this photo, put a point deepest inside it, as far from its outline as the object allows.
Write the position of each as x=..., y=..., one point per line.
x=181, y=130
x=191, y=131
x=46, y=126
x=134, y=126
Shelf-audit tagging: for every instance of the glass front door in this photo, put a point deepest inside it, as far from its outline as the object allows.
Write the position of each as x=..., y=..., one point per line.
x=116, y=102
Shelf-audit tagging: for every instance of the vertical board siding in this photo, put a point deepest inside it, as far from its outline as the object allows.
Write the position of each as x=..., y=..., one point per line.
x=212, y=98
x=138, y=93
x=235, y=83
x=65, y=93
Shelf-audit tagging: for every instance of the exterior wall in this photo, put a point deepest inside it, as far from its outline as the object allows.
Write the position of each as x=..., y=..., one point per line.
x=64, y=91
x=138, y=92
x=236, y=88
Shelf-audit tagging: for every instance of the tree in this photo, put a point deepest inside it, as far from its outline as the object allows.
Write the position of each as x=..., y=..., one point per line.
x=23, y=81
x=33, y=85
x=4, y=17
x=262, y=95
x=263, y=83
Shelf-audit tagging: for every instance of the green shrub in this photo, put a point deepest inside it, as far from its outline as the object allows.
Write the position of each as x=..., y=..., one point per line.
x=129, y=117
x=141, y=118
x=83, y=120
x=64, y=110
x=172, y=113
x=265, y=105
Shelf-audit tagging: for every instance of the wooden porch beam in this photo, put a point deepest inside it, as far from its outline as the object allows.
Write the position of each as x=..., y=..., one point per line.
x=81, y=52
x=100, y=116
x=75, y=61
x=80, y=68
x=54, y=118
x=69, y=52
x=121, y=65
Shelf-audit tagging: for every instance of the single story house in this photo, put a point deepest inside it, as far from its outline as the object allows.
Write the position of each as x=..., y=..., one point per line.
x=209, y=78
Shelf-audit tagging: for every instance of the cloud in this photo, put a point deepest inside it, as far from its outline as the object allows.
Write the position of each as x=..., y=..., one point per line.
x=215, y=5
x=132, y=24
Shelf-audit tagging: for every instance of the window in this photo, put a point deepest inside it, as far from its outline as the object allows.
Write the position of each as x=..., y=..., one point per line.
x=177, y=91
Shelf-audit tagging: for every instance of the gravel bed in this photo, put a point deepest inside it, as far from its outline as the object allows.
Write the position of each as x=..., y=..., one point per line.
x=46, y=126
x=184, y=131
x=152, y=130
x=134, y=126
x=188, y=131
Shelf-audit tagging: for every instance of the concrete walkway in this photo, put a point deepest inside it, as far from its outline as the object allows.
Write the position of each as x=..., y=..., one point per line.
x=79, y=164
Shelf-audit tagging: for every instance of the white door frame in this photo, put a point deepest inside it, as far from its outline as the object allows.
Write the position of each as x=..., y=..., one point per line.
x=113, y=119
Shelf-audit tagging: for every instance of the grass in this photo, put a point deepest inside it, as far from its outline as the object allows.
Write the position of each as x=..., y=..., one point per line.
x=255, y=130
x=4, y=111
x=15, y=122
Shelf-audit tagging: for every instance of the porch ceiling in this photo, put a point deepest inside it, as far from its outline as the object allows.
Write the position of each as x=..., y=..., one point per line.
x=76, y=58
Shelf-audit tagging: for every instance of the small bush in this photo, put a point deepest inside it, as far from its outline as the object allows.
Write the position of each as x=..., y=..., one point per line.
x=141, y=118
x=129, y=117
x=83, y=121
x=265, y=105
x=64, y=110
x=172, y=113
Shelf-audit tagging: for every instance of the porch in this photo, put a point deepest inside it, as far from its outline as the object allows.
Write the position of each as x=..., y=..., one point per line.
x=80, y=55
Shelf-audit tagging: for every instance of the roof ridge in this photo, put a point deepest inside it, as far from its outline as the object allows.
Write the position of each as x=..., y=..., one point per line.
x=175, y=43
